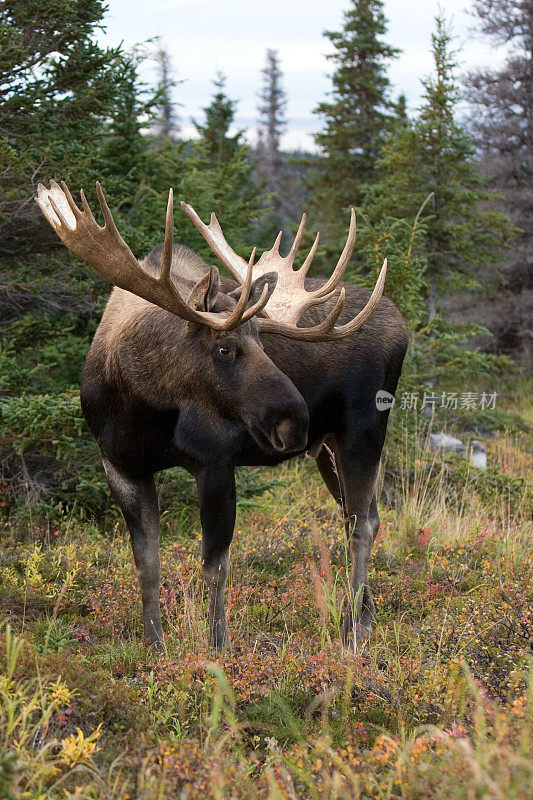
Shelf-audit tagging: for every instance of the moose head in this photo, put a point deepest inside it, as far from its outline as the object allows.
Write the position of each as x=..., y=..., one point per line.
x=221, y=349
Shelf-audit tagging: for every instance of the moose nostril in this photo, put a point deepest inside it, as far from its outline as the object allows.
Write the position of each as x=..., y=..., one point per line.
x=284, y=435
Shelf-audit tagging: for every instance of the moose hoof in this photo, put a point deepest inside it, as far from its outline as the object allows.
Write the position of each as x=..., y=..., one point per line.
x=154, y=646
x=220, y=644
x=219, y=639
x=354, y=635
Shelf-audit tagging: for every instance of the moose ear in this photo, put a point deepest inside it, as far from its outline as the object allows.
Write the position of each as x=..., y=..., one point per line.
x=256, y=288
x=204, y=294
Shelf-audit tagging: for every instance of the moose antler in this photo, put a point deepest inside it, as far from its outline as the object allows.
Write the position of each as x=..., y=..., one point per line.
x=290, y=298
x=105, y=251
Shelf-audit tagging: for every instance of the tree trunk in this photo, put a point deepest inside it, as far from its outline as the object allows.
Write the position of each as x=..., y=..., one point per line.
x=432, y=299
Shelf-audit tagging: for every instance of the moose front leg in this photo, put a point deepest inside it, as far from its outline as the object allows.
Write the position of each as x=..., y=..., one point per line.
x=137, y=498
x=216, y=490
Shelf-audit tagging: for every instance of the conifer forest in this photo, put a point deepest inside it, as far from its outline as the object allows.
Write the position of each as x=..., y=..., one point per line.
x=435, y=702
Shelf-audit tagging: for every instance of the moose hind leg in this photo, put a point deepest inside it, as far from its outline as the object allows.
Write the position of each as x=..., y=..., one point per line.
x=328, y=463
x=137, y=497
x=368, y=609
x=359, y=465
x=216, y=490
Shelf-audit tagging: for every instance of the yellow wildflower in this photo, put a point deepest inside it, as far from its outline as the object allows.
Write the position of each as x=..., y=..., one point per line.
x=77, y=748
x=61, y=693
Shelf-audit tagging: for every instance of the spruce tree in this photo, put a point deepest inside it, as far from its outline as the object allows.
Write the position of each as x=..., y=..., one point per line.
x=219, y=116
x=400, y=110
x=432, y=156
x=356, y=116
x=501, y=124
x=69, y=109
x=60, y=93
x=213, y=173
x=123, y=148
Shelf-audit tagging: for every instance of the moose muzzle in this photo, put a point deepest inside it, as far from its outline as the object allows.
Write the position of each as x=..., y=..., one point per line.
x=290, y=434
x=281, y=420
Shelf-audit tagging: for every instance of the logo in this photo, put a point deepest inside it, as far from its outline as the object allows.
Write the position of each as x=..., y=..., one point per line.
x=384, y=400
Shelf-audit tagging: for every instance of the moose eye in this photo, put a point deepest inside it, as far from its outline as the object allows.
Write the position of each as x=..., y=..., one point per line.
x=225, y=351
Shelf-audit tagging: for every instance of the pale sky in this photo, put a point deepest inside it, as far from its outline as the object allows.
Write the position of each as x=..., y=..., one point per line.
x=203, y=36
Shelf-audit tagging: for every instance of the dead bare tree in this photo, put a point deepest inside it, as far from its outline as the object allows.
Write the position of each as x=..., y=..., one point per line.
x=167, y=124
x=272, y=124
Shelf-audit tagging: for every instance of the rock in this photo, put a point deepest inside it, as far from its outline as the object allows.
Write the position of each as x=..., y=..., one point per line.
x=479, y=455
x=476, y=451
x=442, y=441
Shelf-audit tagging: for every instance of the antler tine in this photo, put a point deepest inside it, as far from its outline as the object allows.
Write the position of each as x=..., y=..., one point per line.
x=64, y=209
x=329, y=323
x=109, y=222
x=297, y=240
x=87, y=208
x=369, y=308
x=234, y=319
x=343, y=261
x=304, y=269
x=257, y=307
x=166, y=260
x=73, y=207
x=275, y=247
x=59, y=212
x=214, y=237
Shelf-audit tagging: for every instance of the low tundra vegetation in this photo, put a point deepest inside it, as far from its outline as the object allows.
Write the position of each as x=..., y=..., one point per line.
x=437, y=703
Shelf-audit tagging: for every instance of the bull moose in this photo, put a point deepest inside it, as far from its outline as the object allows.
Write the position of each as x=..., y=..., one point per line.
x=249, y=371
